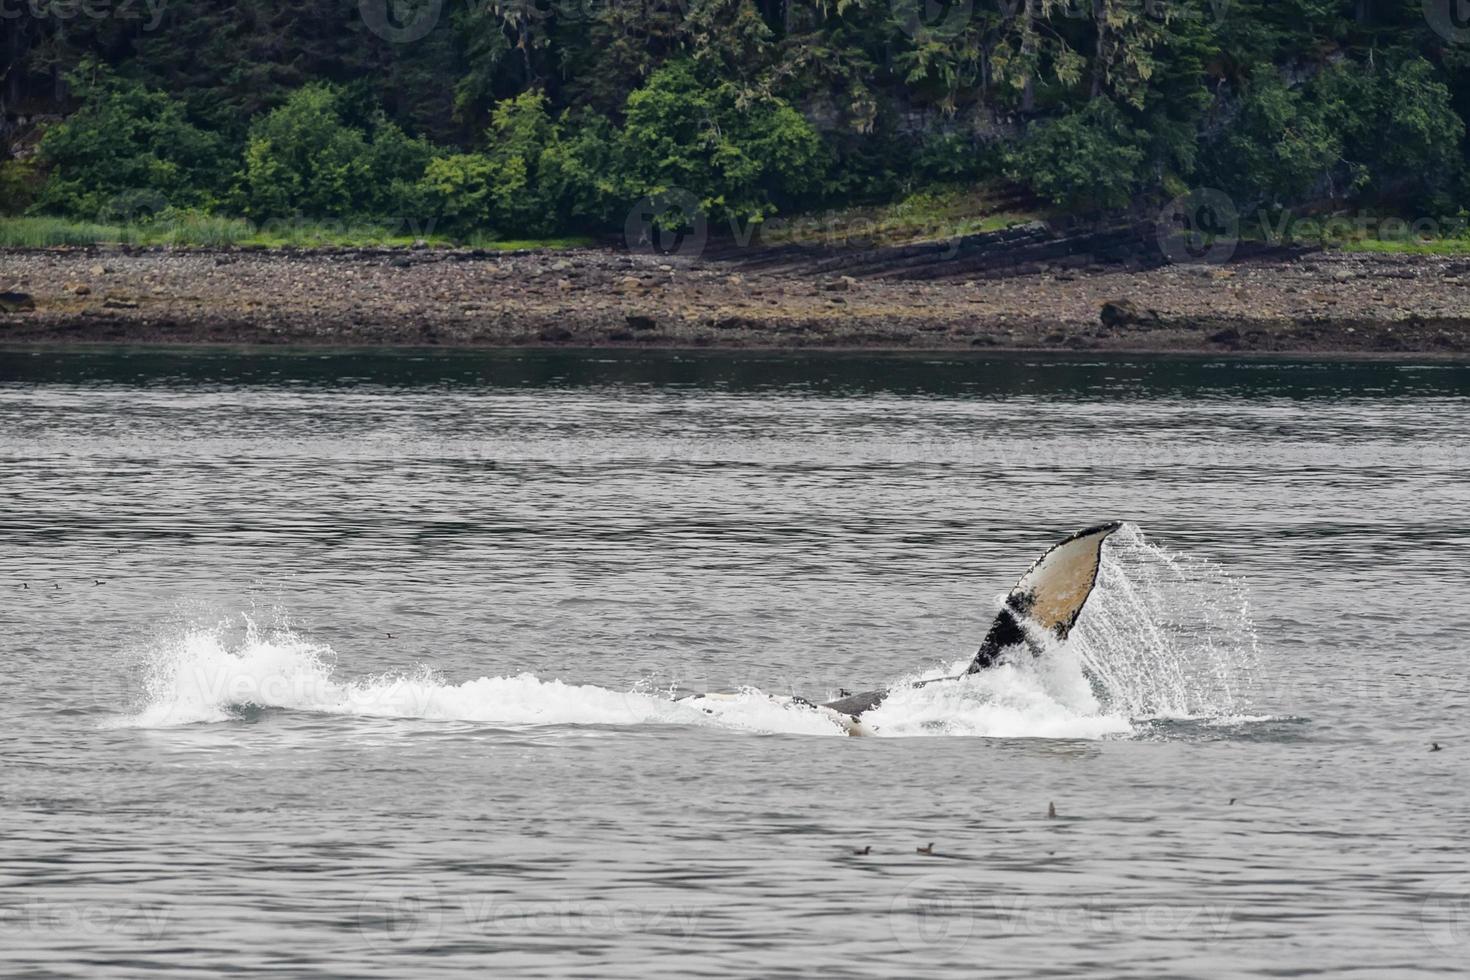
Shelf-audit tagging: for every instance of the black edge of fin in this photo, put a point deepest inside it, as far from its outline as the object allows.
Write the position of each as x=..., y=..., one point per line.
x=1007, y=629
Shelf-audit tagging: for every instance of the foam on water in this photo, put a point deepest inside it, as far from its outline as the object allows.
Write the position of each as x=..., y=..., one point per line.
x=1164, y=636
x=209, y=675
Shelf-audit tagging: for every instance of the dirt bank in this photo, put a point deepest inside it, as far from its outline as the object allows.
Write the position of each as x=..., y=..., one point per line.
x=1317, y=303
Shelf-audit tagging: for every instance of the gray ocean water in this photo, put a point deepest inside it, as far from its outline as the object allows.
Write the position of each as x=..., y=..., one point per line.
x=363, y=664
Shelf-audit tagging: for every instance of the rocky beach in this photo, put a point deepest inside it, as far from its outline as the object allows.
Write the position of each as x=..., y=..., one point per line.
x=1318, y=302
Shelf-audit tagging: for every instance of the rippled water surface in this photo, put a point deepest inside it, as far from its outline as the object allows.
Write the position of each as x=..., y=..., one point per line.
x=374, y=664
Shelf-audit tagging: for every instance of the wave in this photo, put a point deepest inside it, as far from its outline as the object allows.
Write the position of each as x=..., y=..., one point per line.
x=1164, y=636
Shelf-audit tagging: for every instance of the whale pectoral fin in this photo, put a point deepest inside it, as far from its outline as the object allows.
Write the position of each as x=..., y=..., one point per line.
x=1049, y=597
x=856, y=704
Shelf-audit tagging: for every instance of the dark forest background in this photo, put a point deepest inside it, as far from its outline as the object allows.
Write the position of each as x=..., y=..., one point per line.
x=544, y=117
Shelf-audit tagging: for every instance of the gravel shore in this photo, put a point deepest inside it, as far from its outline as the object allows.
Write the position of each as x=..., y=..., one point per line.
x=1314, y=303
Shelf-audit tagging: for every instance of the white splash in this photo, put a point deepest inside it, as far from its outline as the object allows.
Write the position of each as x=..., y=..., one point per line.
x=217, y=673
x=1164, y=636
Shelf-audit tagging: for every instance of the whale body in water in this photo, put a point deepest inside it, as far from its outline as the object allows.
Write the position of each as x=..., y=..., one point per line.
x=1045, y=602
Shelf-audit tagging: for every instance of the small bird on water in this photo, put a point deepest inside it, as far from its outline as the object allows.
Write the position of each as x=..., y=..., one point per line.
x=1434, y=747
x=929, y=849
x=865, y=850
x=1051, y=809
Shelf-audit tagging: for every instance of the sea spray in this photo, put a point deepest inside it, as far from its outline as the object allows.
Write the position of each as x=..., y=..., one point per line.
x=1166, y=635
x=1163, y=636
x=232, y=668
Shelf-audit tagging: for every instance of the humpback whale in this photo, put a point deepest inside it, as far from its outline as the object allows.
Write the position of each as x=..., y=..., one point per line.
x=1046, y=601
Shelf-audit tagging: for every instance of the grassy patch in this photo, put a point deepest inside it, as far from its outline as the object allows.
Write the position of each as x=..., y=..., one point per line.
x=1409, y=246
x=1382, y=234
x=48, y=232
x=207, y=231
x=933, y=214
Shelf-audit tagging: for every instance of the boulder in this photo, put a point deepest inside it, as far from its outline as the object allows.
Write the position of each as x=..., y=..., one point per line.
x=14, y=301
x=1125, y=312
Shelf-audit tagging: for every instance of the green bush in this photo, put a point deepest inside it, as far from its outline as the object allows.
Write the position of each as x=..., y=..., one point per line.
x=536, y=176
x=579, y=172
x=1089, y=159
x=520, y=134
x=303, y=158
x=126, y=149
x=1275, y=149
x=1397, y=125
x=741, y=154
x=457, y=190
x=951, y=158
x=19, y=186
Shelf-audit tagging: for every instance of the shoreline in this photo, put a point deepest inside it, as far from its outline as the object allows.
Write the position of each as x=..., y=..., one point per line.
x=1340, y=304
